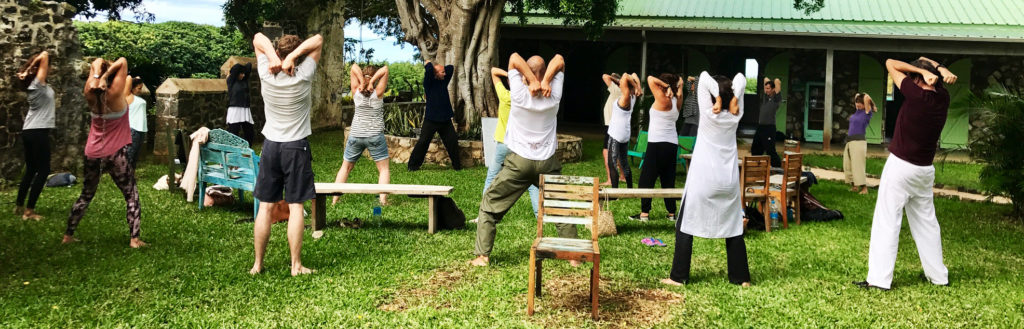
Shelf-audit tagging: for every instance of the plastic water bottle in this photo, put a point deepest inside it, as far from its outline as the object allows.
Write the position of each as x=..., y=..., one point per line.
x=377, y=217
x=775, y=214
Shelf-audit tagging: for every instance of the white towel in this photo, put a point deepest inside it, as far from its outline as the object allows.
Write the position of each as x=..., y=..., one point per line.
x=188, y=181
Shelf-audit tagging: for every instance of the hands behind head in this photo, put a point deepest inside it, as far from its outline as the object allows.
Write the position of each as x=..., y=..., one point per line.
x=22, y=75
x=273, y=64
x=930, y=78
x=535, y=88
x=288, y=66
x=717, y=108
x=947, y=76
x=545, y=88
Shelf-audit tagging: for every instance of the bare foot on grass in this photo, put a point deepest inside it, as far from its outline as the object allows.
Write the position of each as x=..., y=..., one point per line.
x=574, y=263
x=864, y=191
x=31, y=214
x=301, y=270
x=671, y=282
x=68, y=239
x=256, y=269
x=745, y=284
x=136, y=243
x=334, y=200
x=480, y=261
x=606, y=183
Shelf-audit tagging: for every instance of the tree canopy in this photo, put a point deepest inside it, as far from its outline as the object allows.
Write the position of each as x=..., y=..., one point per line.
x=163, y=50
x=112, y=8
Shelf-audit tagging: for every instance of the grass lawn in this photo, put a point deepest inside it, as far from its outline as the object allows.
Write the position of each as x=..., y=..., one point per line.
x=950, y=174
x=392, y=274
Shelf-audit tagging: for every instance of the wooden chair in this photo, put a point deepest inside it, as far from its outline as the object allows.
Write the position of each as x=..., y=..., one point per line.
x=227, y=160
x=686, y=144
x=754, y=183
x=789, y=189
x=791, y=146
x=567, y=200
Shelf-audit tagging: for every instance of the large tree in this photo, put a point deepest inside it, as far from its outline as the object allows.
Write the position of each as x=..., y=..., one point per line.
x=465, y=34
x=112, y=8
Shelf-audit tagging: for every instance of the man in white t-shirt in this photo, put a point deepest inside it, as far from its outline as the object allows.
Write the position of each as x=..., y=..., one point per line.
x=530, y=136
x=286, y=160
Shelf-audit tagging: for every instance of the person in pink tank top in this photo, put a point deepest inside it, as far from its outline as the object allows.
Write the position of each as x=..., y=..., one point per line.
x=106, y=148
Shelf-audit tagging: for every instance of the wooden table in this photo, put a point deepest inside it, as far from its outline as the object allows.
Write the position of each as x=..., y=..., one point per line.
x=329, y=189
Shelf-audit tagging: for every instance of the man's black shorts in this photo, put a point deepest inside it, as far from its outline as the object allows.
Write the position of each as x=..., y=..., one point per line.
x=285, y=167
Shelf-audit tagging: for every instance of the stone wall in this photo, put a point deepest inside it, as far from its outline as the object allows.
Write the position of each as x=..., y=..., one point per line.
x=27, y=28
x=188, y=104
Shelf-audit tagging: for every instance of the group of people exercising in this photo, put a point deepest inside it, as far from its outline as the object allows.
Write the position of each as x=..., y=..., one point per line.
x=711, y=107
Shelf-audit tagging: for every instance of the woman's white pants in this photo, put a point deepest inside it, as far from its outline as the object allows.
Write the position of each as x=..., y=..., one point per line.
x=905, y=186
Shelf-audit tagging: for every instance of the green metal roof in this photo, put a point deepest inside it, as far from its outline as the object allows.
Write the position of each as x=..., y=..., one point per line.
x=978, y=20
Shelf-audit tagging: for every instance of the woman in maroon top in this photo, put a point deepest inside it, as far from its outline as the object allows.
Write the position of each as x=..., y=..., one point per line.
x=107, y=146
x=908, y=176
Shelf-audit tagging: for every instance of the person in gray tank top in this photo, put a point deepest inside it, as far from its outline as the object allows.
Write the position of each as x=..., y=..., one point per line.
x=368, y=86
x=35, y=133
x=764, y=137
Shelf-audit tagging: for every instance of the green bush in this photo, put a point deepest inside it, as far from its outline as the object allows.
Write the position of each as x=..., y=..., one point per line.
x=164, y=50
x=999, y=145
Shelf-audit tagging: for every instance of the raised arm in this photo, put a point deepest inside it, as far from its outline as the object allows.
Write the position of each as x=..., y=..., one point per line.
x=778, y=86
x=43, y=62
x=115, y=78
x=609, y=80
x=311, y=47
x=658, y=90
x=496, y=75
x=869, y=104
x=947, y=76
x=898, y=71
x=516, y=62
x=707, y=89
x=355, y=78
x=262, y=45
x=127, y=92
x=380, y=80
x=556, y=65
x=739, y=85
x=624, y=84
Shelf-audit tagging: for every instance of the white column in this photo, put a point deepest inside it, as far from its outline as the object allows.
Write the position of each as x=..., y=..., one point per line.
x=829, y=72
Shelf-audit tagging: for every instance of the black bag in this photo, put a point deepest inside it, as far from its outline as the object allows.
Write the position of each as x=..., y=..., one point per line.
x=449, y=215
x=755, y=220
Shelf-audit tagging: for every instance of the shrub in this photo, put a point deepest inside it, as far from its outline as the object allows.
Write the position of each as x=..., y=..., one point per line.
x=164, y=50
x=999, y=145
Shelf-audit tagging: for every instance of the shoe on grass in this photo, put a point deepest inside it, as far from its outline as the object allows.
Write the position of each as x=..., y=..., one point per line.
x=639, y=217
x=866, y=285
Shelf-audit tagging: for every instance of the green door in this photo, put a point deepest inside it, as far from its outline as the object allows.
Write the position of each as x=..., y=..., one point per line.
x=872, y=81
x=778, y=68
x=954, y=134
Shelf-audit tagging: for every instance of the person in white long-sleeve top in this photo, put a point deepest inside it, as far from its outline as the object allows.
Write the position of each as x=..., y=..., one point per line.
x=711, y=201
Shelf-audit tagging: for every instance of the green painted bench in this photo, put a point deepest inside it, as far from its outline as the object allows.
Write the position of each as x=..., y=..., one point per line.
x=227, y=160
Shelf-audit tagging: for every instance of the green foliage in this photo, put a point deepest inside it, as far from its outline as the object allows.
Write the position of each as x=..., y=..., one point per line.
x=999, y=145
x=164, y=50
x=808, y=6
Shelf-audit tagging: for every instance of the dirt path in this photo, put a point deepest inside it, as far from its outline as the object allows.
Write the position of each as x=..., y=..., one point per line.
x=873, y=182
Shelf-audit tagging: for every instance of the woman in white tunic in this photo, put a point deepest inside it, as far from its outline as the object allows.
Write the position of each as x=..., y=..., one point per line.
x=711, y=200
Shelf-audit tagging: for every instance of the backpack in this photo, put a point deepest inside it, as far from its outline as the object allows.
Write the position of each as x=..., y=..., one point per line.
x=449, y=215
x=61, y=179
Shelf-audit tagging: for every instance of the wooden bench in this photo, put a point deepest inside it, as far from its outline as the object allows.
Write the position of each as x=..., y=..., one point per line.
x=323, y=190
x=638, y=193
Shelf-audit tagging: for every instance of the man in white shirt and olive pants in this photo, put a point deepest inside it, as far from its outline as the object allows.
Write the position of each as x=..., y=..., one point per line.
x=531, y=139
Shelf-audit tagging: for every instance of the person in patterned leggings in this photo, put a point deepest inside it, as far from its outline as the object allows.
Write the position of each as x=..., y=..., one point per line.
x=106, y=148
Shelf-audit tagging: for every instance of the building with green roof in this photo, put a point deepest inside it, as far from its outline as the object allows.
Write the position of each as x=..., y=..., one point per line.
x=823, y=58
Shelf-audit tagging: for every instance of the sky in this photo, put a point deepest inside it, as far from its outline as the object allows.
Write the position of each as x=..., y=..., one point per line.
x=209, y=12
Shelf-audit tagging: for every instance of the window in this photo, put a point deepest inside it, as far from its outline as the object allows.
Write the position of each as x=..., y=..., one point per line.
x=751, y=73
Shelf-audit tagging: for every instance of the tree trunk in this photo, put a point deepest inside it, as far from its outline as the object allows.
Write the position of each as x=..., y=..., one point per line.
x=329, y=21
x=463, y=34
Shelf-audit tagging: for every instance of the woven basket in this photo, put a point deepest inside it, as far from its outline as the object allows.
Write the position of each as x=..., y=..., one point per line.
x=605, y=224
